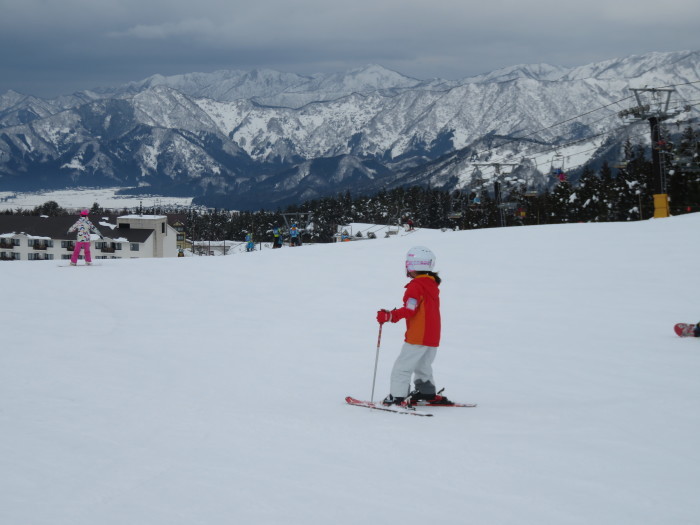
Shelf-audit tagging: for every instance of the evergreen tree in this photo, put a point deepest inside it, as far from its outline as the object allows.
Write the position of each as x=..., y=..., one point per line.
x=606, y=194
x=559, y=205
x=50, y=208
x=631, y=194
x=684, y=175
x=593, y=194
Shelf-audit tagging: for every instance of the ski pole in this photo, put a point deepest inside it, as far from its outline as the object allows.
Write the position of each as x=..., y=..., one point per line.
x=376, y=360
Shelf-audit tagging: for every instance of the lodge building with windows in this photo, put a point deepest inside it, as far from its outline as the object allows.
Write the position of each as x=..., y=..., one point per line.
x=125, y=237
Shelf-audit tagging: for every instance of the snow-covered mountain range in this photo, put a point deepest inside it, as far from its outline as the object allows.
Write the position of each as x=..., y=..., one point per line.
x=264, y=138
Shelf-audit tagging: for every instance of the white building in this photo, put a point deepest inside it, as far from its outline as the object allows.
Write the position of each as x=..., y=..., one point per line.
x=41, y=238
x=162, y=242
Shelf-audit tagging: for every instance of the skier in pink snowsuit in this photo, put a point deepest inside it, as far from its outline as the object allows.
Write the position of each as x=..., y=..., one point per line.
x=84, y=227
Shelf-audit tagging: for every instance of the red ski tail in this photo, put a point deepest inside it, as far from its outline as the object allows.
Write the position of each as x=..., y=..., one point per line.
x=685, y=329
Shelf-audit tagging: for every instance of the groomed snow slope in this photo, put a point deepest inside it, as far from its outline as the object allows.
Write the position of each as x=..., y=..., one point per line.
x=210, y=390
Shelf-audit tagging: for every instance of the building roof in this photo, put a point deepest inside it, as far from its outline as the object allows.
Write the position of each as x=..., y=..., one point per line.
x=139, y=235
x=177, y=218
x=137, y=216
x=57, y=228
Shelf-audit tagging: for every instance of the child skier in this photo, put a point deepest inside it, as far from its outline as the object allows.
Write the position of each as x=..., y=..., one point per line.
x=84, y=227
x=421, y=309
x=294, y=236
x=277, y=235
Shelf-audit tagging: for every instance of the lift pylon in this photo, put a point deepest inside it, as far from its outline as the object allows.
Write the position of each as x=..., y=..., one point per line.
x=653, y=106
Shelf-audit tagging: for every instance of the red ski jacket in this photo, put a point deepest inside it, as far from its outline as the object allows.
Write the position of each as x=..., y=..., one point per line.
x=421, y=309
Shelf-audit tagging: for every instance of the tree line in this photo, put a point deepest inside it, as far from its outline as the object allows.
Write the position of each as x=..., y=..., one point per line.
x=623, y=192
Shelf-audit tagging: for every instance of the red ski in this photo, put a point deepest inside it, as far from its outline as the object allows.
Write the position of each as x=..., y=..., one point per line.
x=439, y=401
x=396, y=409
x=685, y=329
x=423, y=403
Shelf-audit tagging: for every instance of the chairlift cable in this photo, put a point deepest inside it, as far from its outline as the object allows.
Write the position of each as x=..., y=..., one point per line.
x=584, y=114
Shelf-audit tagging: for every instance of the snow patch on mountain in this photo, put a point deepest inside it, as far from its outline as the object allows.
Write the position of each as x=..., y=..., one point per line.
x=213, y=131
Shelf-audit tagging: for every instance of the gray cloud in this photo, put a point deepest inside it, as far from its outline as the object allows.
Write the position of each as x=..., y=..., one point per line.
x=53, y=48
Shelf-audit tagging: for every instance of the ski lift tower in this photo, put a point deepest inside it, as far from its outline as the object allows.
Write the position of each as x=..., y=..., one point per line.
x=653, y=105
x=295, y=217
x=498, y=176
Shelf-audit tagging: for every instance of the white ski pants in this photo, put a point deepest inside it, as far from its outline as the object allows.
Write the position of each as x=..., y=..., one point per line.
x=412, y=360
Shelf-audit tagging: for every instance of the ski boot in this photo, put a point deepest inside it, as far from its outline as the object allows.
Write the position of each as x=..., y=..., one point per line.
x=418, y=398
x=391, y=400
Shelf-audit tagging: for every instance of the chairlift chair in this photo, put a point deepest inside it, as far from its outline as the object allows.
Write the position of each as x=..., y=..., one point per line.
x=475, y=199
x=557, y=167
x=456, y=205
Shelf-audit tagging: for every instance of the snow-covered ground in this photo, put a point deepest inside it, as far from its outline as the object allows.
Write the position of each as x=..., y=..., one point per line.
x=209, y=390
x=84, y=198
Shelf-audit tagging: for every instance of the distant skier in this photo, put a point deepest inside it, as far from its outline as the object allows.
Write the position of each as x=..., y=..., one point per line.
x=277, y=237
x=84, y=227
x=250, y=244
x=421, y=309
x=295, y=240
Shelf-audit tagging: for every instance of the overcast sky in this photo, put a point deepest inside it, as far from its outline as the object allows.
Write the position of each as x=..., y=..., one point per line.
x=53, y=47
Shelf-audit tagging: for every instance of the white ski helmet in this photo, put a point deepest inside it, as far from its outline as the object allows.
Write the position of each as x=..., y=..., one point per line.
x=420, y=259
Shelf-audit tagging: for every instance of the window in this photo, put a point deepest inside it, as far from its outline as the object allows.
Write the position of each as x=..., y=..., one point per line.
x=162, y=228
x=134, y=246
x=40, y=244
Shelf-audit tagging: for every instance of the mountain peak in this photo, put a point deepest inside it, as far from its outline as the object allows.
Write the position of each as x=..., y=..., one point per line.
x=546, y=72
x=368, y=78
